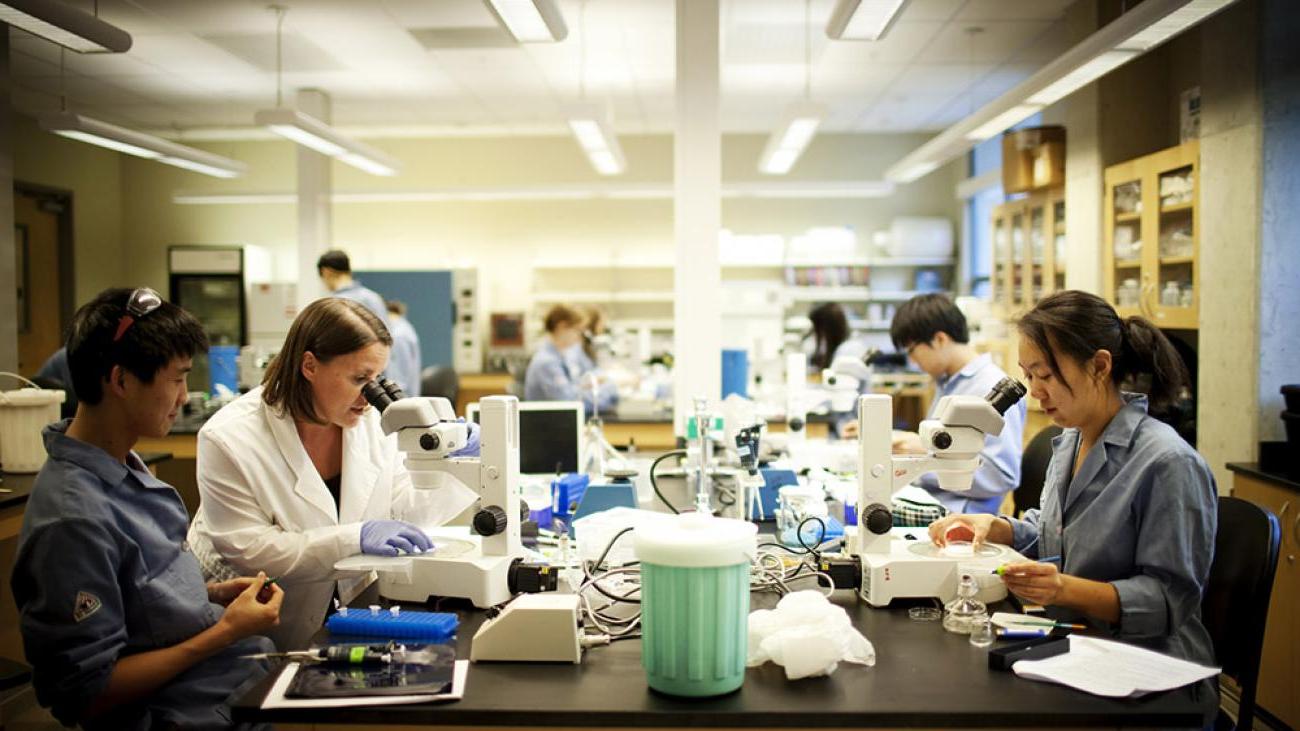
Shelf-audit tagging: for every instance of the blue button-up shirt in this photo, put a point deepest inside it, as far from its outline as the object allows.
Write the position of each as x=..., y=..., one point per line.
x=102, y=571
x=404, y=362
x=999, y=470
x=551, y=377
x=358, y=292
x=1141, y=514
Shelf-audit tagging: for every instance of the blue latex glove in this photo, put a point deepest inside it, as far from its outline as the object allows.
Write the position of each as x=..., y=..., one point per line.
x=472, y=445
x=388, y=537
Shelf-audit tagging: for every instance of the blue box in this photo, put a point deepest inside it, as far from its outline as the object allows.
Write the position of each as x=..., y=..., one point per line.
x=223, y=368
x=735, y=372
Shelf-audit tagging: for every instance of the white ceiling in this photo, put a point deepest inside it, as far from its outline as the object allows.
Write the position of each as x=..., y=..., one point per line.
x=211, y=63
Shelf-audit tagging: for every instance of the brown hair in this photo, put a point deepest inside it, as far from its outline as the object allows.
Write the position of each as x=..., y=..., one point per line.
x=1078, y=324
x=562, y=315
x=326, y=328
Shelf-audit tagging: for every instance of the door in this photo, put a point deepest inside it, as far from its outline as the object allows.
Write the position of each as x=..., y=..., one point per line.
x=40, y=295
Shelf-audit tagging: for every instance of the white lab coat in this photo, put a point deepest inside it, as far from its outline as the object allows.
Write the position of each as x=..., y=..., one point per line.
x=264, y=507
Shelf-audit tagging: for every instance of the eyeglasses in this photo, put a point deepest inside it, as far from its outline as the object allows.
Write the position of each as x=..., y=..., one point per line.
x=141, y=302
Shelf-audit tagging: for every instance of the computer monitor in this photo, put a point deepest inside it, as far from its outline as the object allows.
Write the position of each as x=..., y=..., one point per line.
x=550, y=435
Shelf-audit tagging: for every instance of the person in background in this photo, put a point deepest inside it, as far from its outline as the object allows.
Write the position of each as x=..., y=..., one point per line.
x=335, y=270
x=298, y=474
x=118, y=625
x=552, y=376
x=831, y=337
x=1129, y=509
x=933, y=333
x=404, y=363
x=585, y=356
x=55, y=373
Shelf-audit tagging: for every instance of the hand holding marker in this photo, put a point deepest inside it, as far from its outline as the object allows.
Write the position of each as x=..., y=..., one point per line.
x=1002, y=570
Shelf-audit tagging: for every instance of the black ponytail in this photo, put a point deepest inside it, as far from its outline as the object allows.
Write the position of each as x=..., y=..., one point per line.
x=1078, y=324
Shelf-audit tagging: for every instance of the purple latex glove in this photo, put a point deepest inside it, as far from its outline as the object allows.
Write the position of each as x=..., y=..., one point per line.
x=472, y=445
x=388, y=537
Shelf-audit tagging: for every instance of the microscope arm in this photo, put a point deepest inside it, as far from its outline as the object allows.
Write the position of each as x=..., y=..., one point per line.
x=908, y=468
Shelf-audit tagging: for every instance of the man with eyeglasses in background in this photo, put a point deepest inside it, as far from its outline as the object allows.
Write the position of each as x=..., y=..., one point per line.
x=117, y=622
x=933, y=333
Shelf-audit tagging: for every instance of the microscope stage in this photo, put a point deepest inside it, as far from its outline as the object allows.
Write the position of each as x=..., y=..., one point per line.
x=918, y=569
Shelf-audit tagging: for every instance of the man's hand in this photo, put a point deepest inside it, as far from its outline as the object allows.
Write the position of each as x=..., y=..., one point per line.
x=224, y=592
x=246, y=616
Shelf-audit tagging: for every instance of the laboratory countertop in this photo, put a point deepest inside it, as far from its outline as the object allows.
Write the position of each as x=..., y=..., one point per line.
x=1277, y=464
x=667, y=418
x=924, y=677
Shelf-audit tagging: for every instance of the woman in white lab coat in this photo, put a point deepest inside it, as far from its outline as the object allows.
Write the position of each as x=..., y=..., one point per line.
x=297, y=473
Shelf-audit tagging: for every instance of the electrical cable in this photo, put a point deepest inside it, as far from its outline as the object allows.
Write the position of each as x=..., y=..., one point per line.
x=654, y=485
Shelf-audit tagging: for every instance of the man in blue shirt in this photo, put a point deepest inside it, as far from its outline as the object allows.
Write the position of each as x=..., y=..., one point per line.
x=404, y=359
x=335, y=270
x=933, y=333
x=117, y=623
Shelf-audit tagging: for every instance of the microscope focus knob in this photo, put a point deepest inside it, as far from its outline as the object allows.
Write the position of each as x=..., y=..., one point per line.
x=877, y=519
x=941, y=440
x=795, y=424
x=490, y=521
x=429, y=442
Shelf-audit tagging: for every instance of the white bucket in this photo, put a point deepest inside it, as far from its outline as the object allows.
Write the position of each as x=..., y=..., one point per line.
x=23, y=414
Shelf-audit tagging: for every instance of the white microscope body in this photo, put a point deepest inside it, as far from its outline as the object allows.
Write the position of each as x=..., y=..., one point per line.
x=427, y=432
x=897, y=567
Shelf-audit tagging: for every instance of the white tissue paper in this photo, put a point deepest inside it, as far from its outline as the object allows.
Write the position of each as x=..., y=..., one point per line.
x=807, y=635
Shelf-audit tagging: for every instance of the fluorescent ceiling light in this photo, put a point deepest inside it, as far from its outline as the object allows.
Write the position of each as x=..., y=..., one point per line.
x=787, y=143
x=315, y=134
x=95, y=132
x=862, y=20
x=531, y=21
x=591, y=127
x=1005, y=120
x=1142, y=28
x=66, y=26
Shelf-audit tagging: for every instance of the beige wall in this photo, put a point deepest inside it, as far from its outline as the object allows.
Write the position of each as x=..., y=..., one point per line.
x=503, y=239
x=94, y=176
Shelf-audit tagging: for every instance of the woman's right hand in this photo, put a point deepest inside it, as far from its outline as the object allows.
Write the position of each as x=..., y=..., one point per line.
x=974, y=527
x=246, y=616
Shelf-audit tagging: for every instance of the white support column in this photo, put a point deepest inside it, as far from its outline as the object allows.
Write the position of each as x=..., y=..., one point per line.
x=697, y=210
x=315, y=215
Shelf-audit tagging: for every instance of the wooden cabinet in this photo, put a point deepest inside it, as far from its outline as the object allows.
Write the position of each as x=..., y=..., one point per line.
x=1028, y=250
x=1152, y=229
x=1279, y=672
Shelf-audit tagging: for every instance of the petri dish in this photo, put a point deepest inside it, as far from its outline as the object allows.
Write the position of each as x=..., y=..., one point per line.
x=925, y=614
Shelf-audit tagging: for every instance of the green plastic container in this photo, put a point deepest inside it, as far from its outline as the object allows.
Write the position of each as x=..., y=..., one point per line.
x=695, y=604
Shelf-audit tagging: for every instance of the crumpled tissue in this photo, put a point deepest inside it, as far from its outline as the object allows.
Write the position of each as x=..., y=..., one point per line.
x=807, y=635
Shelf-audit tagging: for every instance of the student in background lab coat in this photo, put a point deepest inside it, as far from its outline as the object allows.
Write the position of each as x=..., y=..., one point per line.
x=553, y=372
x=297, y=473
x=404, y=363
x=1128, y=507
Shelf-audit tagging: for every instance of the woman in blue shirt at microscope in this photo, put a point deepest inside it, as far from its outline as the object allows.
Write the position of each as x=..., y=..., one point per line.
x=1128, y=506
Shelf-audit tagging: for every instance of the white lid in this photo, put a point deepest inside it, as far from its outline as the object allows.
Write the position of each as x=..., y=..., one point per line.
x=32, y=397
x=696, y=540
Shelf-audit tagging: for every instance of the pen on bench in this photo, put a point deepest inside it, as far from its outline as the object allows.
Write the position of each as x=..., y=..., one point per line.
x=1021, y=634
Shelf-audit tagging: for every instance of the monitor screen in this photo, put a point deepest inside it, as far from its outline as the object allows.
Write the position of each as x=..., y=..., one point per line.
x=549, y=436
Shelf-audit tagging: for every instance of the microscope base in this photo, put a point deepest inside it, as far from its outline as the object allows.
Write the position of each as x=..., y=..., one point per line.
x=917, y=569
x=484, y=580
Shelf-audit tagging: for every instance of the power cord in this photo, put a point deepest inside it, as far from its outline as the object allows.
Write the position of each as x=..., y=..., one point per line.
x=654, y=484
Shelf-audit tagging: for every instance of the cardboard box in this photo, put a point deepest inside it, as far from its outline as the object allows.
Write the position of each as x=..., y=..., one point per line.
x=1033, y=158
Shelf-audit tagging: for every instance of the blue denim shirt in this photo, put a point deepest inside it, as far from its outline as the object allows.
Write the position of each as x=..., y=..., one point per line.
x=102, y=571
x=551, y=376
x=358, y=292
x=1141, y=514
x=404, y=361
x=999, y=470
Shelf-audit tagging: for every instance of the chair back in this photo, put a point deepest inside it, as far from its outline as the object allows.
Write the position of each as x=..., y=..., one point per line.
x=1234, y=607
x=440, y=381
x=1033, y=469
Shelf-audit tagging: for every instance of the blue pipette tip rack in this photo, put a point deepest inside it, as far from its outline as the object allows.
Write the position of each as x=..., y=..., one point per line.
x=431, y=627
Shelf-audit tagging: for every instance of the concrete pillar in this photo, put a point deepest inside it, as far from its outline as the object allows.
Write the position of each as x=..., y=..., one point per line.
x=1279, y=273
x=697, y=210
x=315, y=212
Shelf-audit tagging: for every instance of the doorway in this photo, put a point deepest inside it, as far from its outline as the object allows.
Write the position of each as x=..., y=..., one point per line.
x=43, y=244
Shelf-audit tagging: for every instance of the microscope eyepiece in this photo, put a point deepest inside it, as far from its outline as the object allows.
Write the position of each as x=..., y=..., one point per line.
x=1006, y=394
x=376, y=395
x=393, y=390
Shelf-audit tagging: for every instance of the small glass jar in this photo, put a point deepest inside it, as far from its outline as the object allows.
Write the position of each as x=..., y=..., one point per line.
x=964, y=613
x=981, y=633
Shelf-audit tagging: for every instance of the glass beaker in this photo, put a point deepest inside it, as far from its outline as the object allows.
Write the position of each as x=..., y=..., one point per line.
x=964, y=613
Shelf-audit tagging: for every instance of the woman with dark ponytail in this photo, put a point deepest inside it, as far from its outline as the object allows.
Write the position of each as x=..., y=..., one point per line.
x=1128, y=507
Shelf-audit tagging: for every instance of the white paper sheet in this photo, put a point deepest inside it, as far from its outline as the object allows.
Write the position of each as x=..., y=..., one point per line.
x=1113, y=669
x=275, y=698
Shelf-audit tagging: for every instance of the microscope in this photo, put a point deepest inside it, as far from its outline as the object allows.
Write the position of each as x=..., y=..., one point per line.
x=488, y=569
x=904, y=563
